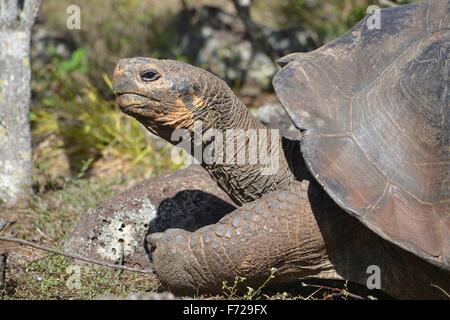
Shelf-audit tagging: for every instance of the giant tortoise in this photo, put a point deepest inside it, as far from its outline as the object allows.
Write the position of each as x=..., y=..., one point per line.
x=366, y=188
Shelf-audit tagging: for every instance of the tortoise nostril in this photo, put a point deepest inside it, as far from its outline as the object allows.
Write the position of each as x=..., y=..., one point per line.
x=120, y=77
x=118, y=71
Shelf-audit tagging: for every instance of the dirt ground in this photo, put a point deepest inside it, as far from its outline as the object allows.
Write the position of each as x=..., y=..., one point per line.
x=51, y=216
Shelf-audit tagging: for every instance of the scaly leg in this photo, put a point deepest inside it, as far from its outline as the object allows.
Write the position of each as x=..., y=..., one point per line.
x=278, y=231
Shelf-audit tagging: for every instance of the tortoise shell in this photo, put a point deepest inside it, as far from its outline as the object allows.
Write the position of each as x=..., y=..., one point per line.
x=375, y=107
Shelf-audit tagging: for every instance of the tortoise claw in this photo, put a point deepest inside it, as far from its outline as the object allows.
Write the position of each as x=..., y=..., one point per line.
x=153, y=238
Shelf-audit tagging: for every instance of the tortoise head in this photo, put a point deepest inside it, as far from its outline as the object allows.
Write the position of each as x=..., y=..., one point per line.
x=164, y=95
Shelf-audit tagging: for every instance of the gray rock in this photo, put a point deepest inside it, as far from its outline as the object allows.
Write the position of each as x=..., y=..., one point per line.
x=42, y=40
x=217, y=41
x=4, y=224
x=116, y=229
x=274, y=116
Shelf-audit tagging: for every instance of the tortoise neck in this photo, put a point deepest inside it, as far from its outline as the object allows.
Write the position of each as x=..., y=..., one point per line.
x=253, y=158
x=238, y=116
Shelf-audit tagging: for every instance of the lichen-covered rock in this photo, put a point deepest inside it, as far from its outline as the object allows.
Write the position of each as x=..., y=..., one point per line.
x=218, y=41
x=116, y=229
x=42, y=39
x=274, y=117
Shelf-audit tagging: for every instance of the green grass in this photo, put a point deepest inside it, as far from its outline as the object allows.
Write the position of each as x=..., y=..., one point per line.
x=50, y=218
x=231, y=291
x=52, y=278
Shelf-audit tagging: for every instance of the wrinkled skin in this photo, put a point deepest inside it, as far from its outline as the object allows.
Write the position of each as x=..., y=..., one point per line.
x=286, y=220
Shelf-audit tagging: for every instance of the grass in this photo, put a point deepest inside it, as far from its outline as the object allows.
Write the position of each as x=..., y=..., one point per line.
x=51, y=216
x=54, y=277
x=232, y=291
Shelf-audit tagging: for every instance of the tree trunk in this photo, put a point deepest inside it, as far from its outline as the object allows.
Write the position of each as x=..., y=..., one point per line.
x=16, y=20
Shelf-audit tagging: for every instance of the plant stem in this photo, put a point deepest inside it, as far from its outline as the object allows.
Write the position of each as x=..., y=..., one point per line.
x=73, y=256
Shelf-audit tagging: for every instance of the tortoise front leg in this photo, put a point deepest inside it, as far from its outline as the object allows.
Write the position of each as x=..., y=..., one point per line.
x=278, y=231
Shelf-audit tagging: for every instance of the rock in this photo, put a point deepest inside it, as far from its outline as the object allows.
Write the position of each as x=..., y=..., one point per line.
x=274, y=116
x=42, y=40
x=4, y=224
x=116, y=229
x=217, y=41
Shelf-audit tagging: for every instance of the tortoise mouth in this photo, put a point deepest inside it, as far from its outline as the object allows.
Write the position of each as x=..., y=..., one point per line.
x=128, y=101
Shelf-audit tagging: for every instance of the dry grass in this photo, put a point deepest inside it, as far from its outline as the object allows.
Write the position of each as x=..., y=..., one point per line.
x=51, y=216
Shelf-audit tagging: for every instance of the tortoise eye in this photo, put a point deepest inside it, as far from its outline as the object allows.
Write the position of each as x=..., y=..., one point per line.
x=149, y=75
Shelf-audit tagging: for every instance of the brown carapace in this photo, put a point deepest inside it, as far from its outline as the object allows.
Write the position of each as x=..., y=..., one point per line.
x=375, y=104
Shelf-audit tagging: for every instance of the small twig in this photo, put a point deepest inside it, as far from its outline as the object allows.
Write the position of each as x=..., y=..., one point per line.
x=443, y=291
x=73, y=256
x=3, y=258
x=313, y=294
x=348, y=294
x=43, y=234
x=5, y=224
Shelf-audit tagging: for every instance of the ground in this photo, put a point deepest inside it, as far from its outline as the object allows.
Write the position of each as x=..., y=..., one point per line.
x=49, y=220
x=52, y=215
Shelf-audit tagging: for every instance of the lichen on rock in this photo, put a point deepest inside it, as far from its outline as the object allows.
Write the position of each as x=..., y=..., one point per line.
x=120, y=236
x=116, y=229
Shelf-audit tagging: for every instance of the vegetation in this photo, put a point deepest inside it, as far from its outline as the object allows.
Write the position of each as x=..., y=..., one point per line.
x=329, y=18
x=232, y=291
x=49, y=220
